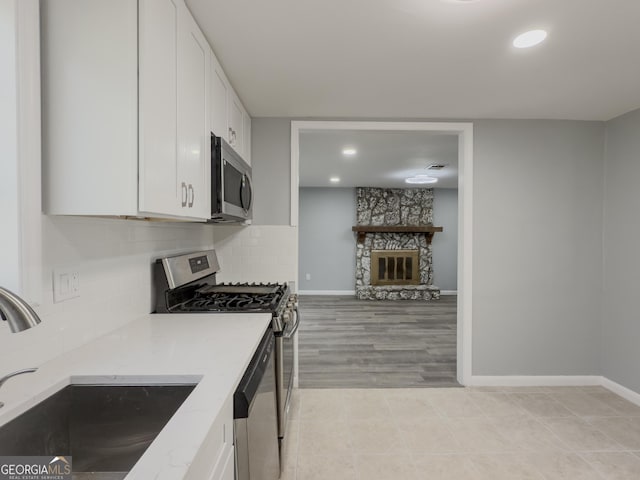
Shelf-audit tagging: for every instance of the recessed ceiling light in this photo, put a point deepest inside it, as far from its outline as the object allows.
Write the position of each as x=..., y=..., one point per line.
x=529, y=39
x=334, y=179
x=349, y=151
x=421, y=179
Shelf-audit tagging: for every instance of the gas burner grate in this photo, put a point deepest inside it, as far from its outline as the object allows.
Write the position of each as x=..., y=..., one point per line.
x=234, y=298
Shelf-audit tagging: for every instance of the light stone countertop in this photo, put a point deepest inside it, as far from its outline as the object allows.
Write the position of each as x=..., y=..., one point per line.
x=212, y=350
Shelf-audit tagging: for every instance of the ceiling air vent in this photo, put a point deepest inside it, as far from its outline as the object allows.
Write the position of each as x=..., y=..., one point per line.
x=436, y=166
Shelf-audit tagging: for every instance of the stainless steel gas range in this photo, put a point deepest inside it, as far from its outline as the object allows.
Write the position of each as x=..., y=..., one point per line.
x=187, y=284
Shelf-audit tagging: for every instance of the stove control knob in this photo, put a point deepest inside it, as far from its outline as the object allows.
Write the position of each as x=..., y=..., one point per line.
x=290, y=304
x=286, y=317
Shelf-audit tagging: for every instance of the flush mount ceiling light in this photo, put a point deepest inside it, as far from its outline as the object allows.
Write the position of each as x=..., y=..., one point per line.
x=529, y=39
x=334, y=179
x=349, y=152
x=421, y=179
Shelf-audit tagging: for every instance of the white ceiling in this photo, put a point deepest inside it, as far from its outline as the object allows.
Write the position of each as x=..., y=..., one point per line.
x=383, y=158
x=427, y=58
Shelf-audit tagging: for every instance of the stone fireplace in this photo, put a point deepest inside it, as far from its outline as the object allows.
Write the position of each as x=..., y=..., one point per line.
x=393, y=254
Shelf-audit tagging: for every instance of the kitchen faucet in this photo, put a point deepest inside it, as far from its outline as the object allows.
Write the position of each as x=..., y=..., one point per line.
x=20, y=317
x=13, y=374
x=17, y=312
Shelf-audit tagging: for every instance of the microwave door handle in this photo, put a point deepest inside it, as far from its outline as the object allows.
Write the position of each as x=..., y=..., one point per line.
x=250, y=186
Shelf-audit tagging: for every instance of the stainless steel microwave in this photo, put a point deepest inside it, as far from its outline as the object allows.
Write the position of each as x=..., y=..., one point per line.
x=232, y=191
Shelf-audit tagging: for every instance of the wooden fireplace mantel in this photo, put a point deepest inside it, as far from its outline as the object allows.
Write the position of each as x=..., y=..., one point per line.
x=428, y=230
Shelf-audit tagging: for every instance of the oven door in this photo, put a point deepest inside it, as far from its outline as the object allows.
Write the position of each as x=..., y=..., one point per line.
x=284, y=355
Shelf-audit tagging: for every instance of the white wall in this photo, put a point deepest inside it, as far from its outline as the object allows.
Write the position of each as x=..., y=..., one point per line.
x=620, y=319
x=327, y=244
x=271, y=168
x=537, y=243
x=114, y=259
x=445, y=243
x=9, y=198
x=537, y=273
x=257, y=253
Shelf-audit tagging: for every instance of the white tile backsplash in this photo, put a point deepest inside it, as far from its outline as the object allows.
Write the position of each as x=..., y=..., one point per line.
x=114, y=260
x=257, y=253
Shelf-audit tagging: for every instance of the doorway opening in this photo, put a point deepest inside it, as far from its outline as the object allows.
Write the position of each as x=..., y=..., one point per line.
x=462, y=135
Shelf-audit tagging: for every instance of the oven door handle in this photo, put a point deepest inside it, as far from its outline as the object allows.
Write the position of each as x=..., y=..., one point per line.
x=297, y=324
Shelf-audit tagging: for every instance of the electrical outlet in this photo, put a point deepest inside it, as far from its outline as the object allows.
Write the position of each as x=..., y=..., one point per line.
x=308, y=276
x=66, y=284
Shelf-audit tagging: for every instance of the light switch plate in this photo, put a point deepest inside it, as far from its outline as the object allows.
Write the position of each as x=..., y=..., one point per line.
x=66, y=284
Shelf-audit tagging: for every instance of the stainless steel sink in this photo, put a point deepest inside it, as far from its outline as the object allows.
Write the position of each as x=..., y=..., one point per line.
x=104, y=428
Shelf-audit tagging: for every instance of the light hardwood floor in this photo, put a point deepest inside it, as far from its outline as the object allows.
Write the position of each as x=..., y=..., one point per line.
x=349, y=343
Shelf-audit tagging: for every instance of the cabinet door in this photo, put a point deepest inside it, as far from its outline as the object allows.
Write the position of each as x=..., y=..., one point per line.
x=194, y=150
x=246, y=135
x=219, y=95
x=157, y=156
x=228, y=473
x=235, y=123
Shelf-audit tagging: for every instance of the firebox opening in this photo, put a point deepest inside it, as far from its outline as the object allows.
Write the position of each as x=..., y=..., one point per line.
x=395, y=267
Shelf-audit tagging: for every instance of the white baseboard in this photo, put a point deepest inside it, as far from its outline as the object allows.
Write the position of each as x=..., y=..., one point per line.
x=326, y=292
x=448, y=292
x=534, y=380
x=618, y=389
x=554, y=381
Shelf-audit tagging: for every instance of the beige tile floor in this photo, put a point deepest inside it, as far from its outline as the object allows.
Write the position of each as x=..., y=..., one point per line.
x=535, y=433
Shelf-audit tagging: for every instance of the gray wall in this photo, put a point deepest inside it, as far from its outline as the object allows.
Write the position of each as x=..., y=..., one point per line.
x=271, y=168
x=621, y=321
x=445, y=244
x=538, y=195
x=327, y=246
x=537, y=247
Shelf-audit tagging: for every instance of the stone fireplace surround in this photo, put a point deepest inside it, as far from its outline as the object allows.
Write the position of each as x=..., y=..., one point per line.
x=389, y=207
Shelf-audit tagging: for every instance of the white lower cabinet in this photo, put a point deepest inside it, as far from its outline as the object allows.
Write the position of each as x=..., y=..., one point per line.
x=227, y=467
x=228, y=471
x=215, y=459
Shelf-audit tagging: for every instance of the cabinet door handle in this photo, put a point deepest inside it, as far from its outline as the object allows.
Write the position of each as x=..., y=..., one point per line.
x=184, y=194
x=192, y=195
x=231, y=135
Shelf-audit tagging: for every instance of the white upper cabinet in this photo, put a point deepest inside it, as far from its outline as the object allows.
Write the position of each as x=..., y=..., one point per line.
x=246, y=136
x=194, y=144
x=158, y=129
x=229, y=118
x=235, y=123
x=219, y=96
x=125, y=109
